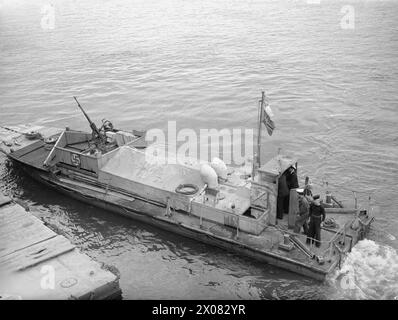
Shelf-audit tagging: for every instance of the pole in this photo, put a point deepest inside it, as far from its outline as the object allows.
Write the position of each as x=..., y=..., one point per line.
x=259, y=130
x=255, y=158
x=257, y=161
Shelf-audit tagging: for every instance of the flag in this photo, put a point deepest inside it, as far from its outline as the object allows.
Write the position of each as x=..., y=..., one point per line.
x=266, y=115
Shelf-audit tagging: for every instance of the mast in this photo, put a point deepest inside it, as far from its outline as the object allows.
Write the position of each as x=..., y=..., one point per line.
x=259, y=129
x=257, y=160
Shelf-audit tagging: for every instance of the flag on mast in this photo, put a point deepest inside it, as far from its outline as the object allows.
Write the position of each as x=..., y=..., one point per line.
x=266, y=115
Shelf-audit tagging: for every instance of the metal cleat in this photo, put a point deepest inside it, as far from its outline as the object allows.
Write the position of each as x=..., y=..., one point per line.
x=286, y=245
x=320, y=260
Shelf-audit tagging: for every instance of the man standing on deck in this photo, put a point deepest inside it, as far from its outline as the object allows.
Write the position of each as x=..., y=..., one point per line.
x=317, y=215
x=303, y=214
x=291, y=179
x=283, y=197
x=292, y=183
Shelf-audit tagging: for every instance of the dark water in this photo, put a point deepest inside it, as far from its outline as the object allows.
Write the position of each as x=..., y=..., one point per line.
x=203, y=64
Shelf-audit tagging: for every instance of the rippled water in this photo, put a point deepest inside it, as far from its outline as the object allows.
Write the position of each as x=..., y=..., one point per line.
x=203, y=64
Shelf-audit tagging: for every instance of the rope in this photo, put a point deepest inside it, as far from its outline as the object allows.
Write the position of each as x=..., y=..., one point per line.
x=330, y=223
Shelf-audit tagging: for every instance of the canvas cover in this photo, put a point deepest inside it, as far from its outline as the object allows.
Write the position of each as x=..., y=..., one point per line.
x=134, y=165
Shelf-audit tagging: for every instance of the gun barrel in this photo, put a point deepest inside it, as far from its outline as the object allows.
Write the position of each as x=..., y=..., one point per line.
x=92, y=124
x=80, y=107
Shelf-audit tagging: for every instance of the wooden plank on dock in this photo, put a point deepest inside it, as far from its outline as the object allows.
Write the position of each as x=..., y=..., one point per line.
x=19, y=229
x=30, y=254
x=35, y=254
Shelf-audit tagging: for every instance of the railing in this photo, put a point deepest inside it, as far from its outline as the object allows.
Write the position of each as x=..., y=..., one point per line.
x=354, y=192
x=331, y=244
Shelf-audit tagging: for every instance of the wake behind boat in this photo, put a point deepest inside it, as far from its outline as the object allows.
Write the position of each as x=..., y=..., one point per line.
x=208, y=202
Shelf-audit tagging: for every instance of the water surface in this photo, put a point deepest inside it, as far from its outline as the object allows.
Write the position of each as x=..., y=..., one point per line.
x=203, y=64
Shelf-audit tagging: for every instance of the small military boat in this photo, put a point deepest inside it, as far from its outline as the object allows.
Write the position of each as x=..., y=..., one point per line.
x=214, y=204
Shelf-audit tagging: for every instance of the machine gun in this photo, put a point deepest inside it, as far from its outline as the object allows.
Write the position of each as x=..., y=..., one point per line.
x=96, y=133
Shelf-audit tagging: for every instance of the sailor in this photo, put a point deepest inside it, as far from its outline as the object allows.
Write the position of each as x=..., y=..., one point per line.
x=291, y=178
x=287, y=181
x=317, y=215
x=107, y=125
x=303, y=214
x=283, y=197
x=292, y=183
x=308, y=191
x=307, y=188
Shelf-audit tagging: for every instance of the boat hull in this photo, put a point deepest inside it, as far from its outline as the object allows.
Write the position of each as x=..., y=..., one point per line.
x=144, y=212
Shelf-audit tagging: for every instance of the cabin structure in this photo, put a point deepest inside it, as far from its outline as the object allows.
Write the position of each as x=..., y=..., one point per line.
x=264, y=189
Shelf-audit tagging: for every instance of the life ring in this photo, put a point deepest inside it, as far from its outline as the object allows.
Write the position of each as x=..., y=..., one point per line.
x=187, y=189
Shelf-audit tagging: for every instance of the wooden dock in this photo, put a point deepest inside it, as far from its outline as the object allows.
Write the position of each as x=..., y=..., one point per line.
x=36, y=263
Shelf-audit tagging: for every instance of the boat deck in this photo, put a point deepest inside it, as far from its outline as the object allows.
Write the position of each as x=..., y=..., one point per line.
x=32, y=152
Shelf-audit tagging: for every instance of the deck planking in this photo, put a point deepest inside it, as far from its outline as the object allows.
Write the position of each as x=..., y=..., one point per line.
x=28, y=249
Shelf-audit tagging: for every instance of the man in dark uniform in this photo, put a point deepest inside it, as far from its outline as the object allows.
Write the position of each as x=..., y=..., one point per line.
x=291, y=178
x=317, y=215
x=287, y=181
x=283, y=193
x=292, y=183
